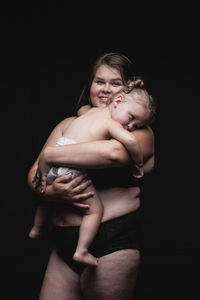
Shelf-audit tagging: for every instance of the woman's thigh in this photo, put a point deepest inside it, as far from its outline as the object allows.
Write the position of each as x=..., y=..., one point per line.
x=60, y=282
x=114, y=278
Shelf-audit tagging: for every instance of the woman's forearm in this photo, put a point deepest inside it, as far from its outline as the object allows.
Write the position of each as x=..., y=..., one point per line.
x=98, y=154
x=101, y=154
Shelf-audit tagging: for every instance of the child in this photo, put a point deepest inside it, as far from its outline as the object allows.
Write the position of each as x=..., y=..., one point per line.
x=129, y=109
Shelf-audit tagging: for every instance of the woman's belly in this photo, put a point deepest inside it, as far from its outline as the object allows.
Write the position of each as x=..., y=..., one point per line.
x=116, y=202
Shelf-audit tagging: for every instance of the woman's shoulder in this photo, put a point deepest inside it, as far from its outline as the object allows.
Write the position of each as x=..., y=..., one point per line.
x=145, y=133
x=145, y=137
x=147, y=130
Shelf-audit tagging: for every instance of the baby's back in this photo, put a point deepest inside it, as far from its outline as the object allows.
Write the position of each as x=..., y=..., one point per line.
x=90, y=126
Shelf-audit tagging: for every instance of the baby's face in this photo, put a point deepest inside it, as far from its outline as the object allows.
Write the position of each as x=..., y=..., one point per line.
x=130, y=114
x=106, y=83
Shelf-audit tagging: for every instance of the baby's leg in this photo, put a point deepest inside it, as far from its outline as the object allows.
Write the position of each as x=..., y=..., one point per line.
x=39, y=221
x=88, y=229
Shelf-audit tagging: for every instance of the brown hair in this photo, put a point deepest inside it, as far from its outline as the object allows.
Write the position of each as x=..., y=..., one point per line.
x=117, y=61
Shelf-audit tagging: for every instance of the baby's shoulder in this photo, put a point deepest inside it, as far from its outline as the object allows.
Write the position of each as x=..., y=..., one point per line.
x=66, y=122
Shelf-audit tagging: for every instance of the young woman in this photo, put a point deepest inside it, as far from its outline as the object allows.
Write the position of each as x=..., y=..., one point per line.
x=117, y=239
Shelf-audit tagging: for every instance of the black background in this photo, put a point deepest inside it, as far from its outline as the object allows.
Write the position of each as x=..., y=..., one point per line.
x=47, y=50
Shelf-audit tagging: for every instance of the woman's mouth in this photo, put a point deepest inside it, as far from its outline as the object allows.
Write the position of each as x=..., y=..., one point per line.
x=103, y=99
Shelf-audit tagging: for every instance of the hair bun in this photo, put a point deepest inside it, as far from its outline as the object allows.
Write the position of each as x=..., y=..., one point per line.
x=134, y=83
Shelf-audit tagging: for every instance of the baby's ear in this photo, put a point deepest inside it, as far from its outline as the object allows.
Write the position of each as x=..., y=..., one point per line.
x=119, y=99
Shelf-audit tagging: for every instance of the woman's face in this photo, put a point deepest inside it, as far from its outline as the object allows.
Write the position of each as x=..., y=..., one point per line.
x=107, y=81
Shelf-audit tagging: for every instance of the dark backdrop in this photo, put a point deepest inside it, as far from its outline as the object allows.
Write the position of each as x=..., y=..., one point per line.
x=47, y=52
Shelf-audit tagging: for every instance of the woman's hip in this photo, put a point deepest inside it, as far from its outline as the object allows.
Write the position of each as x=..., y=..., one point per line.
x=120, y=233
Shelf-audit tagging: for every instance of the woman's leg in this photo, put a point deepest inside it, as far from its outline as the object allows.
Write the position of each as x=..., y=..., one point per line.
x=60, y=282
x=114, y=278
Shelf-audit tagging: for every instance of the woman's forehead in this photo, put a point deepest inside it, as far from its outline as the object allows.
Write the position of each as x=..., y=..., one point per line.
x=107, y=71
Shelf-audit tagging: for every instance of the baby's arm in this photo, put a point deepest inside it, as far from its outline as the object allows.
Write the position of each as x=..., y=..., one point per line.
x=130, y=142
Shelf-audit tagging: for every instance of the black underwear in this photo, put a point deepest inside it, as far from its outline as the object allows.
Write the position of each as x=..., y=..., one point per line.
x=113, y=235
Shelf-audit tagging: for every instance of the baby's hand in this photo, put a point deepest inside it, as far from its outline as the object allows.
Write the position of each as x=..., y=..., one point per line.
x=138, y=171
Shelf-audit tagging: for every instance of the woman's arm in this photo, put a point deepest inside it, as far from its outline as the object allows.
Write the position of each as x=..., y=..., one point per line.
x=99, y=154
x=51, y=141
x=64, y=189
x=145, y=138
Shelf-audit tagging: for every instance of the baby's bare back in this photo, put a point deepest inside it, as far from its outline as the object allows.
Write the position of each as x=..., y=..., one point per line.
x=91, y=126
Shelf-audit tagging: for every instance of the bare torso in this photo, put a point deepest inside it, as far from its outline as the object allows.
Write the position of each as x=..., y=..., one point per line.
x=116, y=202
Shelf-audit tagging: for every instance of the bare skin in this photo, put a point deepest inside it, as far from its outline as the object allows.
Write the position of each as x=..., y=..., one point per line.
x=109, y=280
x=60, y=282
x=117, y=120
x=115, y=278
x=116, y=274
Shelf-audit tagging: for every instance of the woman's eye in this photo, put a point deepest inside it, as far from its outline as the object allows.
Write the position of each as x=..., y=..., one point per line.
x=131, y=117
x=99, y=82
x=116, y=84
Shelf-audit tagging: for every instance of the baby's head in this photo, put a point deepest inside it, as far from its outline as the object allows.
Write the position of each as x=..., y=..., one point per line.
x=133, y=106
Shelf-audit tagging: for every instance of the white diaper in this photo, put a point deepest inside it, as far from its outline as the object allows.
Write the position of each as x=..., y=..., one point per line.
x=59, y=171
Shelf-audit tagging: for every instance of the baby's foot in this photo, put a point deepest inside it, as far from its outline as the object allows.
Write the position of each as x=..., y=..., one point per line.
x=35, y=233
x=85, y=258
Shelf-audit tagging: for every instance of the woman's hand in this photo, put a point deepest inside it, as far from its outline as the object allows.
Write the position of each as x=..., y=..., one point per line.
x=70, y=191
x=40, y=178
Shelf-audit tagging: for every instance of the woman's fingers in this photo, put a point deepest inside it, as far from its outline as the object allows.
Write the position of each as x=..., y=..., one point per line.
x=76, y=185
x=64, y=178
x=81, y=187
x=72, y=190
x=77, y=181
x=84, y=196
x=81, y=205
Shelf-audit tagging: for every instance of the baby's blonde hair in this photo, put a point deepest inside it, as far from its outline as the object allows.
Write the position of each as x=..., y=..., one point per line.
x=136, y=86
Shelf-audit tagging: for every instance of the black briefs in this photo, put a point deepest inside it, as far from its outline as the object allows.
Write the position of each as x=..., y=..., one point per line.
x=113, y=235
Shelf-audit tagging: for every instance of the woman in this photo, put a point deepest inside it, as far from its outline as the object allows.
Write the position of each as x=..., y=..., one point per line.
x=116, y=274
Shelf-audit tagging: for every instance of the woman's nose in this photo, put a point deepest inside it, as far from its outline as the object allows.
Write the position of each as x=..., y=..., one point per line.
x=106, y=88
